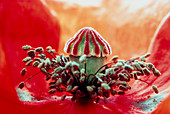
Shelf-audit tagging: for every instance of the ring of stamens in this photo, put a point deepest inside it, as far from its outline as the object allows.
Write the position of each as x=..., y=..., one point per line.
x=65, y=75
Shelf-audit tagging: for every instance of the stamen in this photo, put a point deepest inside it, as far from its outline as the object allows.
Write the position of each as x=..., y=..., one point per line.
x=23, y=71
x=155, y=89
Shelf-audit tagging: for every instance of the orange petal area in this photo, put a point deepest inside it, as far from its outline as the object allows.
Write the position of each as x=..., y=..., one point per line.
x=127, y=26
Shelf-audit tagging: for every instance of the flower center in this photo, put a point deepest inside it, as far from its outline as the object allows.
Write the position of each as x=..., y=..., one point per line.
x=67, y=76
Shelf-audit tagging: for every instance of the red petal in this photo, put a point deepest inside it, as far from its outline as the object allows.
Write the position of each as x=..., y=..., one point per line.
x=26, y=23
x=160, y=54
x=139, y=97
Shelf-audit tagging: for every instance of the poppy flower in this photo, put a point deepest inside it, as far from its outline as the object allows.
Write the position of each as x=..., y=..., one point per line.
x=132, y=102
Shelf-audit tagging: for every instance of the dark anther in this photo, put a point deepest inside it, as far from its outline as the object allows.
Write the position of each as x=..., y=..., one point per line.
x=52, y=91
x=70, y=81
x=51, y=83
x=54, y=76
x=26, y=47
x=155, y=89
x=58, y=82
x=69, y=88
x=114, y=58
x=48, y=47
x=52, y=86
x=113, y=92
x=135, y=75
x=121, y=87
x=146, y=71
x=31, y=53
x=26, y=59
x=89, y=89
x=44, y=71
x=21, y=85
x=47, y=78
x=105, y=86
x=121, y=92
x=97, y=99
x=39, y=50
x=128, y=68
x=63, y=97
x=112, y=83
x=74, y=88
x=35, y=64
x=23, y=71
x=29, y=62
x=156, y=73
x=150, y=66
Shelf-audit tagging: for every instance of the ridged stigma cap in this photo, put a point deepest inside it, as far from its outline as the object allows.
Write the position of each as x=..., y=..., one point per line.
x=89, y=42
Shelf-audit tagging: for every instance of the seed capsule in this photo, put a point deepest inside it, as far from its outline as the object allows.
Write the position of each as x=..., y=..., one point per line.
x=155, y=89
x=23, y=71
